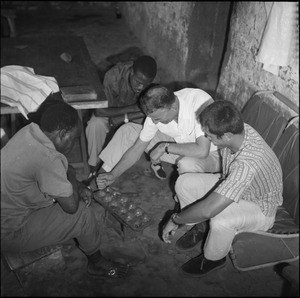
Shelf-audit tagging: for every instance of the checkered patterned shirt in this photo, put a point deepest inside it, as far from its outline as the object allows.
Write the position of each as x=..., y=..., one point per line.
x=253, y=173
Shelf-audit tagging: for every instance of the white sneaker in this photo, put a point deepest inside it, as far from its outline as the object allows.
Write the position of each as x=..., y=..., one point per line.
x=159, y=171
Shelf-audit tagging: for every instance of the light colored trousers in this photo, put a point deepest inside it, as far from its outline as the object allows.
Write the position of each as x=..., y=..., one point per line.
x=243, y=216
x=126, y=136
x=96, y=131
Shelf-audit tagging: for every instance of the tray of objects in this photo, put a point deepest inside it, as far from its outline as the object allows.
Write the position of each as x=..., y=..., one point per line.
x=122, y=207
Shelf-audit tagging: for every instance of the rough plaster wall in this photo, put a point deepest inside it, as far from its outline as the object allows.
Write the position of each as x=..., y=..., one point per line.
x=241, y=75
x=162, y=27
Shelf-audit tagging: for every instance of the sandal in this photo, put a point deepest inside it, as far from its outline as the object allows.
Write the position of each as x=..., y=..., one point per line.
x=107, y=269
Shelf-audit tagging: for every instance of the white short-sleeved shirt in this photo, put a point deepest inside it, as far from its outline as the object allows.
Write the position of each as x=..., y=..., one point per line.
x=188, y=128
x=32, y=172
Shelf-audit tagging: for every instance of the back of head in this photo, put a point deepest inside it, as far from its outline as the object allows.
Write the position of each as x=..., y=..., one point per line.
x=145, y=65
x=58, y=117
x=155, y=97
x=52, y=99
x=221, y=117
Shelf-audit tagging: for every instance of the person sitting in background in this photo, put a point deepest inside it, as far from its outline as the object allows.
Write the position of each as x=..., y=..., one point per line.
x=244, y=198
x=122, y=85
x=42, y=203
x=170, y=133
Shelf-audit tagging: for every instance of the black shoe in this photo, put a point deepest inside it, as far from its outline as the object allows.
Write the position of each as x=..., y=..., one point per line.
x=200, y=266
x=192, y=238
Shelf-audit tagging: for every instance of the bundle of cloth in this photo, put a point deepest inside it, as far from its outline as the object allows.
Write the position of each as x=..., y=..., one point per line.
x=21, y=87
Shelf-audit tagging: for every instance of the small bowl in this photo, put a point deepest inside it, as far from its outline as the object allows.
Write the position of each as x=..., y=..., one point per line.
x=129, y=216
x=107, y=198
x=138, y=212
x=131, y=206
x=145, y=218
x=113, y=204
x=137, y=224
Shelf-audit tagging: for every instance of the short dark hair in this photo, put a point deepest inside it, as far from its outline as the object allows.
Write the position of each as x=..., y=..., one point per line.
x=154, y=97
x=146, y=65
x=220, y=117
x=51, y=99
x=58, y=117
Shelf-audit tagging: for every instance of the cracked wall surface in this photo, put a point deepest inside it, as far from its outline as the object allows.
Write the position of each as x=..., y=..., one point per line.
x=186, y=38
x=241, y=74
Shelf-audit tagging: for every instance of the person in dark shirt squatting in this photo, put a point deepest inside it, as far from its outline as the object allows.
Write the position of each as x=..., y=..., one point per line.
x=122, y=85
x=42, y=203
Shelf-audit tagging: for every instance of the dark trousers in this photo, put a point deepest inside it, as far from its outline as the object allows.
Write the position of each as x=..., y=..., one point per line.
x=51, y=226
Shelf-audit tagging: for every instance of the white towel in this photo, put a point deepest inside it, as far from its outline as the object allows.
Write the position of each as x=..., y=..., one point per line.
x=22, y=88
x=276, y=45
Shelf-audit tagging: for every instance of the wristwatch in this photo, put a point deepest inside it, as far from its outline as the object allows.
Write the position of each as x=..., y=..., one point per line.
x=126, y=120
x=173, y=219
x=167, y=148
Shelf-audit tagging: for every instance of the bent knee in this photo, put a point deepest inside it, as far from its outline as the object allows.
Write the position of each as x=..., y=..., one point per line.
x=186, y=165
x=97, y=124
x=183, y=184
x=221, y=222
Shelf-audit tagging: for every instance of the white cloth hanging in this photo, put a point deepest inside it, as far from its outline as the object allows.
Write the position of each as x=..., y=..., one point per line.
x=22, y=88
x=276, y=45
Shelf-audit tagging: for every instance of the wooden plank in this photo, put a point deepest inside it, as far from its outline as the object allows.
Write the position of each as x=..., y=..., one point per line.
x=88, y=104
x=43, y=55
x=78, y=93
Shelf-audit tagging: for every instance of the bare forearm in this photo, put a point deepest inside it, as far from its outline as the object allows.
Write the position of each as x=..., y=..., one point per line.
x=203, y=209
x=71, y=174
x=129, y=158
x=188, y=149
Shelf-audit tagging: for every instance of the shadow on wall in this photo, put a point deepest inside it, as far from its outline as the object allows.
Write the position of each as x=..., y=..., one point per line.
x=131, y=53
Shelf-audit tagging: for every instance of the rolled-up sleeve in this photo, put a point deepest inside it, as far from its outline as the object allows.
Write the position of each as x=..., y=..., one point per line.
x=52, y=178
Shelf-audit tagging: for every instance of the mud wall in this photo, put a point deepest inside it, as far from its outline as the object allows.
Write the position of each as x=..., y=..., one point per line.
x=241, y=74
x=186, y=38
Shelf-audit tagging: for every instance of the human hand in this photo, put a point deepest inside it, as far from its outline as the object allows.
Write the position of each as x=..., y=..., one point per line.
x=169, y=229
x=104, y=179
x=86, y=195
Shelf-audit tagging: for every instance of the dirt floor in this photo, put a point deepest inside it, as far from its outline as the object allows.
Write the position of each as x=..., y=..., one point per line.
x=155, y=266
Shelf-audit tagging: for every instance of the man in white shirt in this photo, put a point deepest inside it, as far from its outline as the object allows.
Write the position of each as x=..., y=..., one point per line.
x=171, y=133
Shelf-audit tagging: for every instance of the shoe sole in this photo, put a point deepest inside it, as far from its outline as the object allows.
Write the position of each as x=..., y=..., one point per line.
x=200, y=275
